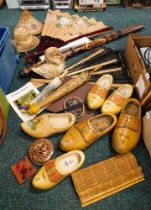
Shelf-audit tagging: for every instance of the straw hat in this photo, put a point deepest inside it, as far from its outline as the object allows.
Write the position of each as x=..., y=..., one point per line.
x=24, y=41
x=30, y=23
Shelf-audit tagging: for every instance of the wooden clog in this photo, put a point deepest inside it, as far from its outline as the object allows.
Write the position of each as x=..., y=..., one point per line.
x=97, y=94
x=86, y=132
x=54, y=171
x=127, y=131
x=48, y=124
x=115, y=102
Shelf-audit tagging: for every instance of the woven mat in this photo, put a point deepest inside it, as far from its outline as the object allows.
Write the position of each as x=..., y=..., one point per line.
x=106, y=178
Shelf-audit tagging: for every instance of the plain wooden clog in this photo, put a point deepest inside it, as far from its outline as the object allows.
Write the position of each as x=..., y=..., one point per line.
x=48, y=124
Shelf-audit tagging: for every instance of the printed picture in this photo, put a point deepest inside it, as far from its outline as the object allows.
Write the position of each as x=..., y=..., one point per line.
x=23, y=102
x=21, y=98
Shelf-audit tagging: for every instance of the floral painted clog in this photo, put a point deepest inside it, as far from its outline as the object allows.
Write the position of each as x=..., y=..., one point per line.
x=48, y=124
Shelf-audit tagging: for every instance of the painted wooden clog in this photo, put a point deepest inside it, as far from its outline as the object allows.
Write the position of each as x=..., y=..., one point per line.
x=48, y=124
x=97, y=94
x=86, y=132
x=54, y=171
x=115, y=102
x=127, y=131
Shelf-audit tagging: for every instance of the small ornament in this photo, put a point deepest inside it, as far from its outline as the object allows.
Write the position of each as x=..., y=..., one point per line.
x=23, y=170
x=40, y=151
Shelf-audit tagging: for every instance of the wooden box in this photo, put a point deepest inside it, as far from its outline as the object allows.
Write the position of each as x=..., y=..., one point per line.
x=137, y=3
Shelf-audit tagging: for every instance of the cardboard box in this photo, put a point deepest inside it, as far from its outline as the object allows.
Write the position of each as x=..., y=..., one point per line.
x=137, y=69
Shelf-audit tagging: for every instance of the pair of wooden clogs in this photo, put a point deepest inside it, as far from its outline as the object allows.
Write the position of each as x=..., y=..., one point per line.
x=97, y=96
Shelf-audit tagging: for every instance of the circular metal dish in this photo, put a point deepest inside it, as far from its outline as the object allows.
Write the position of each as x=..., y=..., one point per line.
x=40, y=151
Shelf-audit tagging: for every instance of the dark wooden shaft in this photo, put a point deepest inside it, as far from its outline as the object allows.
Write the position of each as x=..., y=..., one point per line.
x=105, y=39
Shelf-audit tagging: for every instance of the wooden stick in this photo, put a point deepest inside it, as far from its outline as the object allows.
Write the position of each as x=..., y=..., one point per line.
x=105, y=39
x=35, y=80
x=95, y=67
x=41, y=82
x=85, y=59
x=108, y=71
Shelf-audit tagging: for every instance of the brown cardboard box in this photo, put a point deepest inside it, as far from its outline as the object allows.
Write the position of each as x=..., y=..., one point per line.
x=137, y=68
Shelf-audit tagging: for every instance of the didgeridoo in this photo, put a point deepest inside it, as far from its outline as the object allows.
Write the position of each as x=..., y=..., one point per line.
x=60, y=92
x=105, y=39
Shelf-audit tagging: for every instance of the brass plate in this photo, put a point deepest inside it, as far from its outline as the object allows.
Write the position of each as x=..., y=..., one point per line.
x=40, y=151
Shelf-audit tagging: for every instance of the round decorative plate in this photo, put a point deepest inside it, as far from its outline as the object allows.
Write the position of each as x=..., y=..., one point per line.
x=40, y=151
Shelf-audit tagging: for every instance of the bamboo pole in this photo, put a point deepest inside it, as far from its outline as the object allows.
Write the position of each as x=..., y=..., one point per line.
x=95, y=67
x=85, y=59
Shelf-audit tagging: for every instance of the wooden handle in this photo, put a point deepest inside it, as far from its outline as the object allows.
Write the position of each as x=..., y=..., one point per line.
x=130, y=29
x=86, y=59
x=65, y=89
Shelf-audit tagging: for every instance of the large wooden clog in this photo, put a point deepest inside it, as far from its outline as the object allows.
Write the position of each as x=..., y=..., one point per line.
x=127, y=131
x=115, y=102
x=86, y=132
x=54, y=171
x=48, y=124
x=97, y=94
